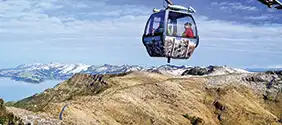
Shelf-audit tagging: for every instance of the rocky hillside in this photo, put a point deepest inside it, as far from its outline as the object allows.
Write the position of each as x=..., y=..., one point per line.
x=37, y=73
x=155, y=98
x=8, y=117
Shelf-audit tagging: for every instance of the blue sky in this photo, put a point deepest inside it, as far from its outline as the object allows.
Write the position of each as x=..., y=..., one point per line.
x=242, y=33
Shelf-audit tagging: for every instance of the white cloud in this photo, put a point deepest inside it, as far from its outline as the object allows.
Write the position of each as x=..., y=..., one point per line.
x=276, y=66
x=233, y=36
x=262, y=17
x=59, y=26
x=233, y=6
x=234, y=30
x=35, y=22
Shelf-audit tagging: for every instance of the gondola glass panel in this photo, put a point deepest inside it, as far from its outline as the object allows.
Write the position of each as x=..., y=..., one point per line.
x=181, y=35
x=152, y=38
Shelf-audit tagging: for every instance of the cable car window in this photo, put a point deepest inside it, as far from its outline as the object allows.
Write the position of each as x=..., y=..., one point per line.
x=181, y=25
x=155, y=25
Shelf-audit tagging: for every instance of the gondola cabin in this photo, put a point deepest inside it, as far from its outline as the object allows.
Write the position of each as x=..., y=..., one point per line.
x=171, y=33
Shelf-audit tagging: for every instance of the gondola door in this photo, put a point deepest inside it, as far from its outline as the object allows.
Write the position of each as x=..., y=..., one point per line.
x=181, y=37
x=153, y=35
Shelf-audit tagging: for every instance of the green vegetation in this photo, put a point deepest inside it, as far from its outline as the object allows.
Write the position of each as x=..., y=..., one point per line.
x=193, y=119
x=6, y=117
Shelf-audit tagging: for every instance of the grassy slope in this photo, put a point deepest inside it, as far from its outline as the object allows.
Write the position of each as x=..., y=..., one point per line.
x=148, y=98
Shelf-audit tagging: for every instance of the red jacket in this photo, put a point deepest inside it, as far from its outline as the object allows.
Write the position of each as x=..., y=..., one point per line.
x=189, y=33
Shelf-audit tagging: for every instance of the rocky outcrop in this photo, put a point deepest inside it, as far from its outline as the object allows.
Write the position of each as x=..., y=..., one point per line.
x=31, y=118
x=270, y=82
x=198, y=71
x=16, y=116
x=212, y=70
x=8, y=117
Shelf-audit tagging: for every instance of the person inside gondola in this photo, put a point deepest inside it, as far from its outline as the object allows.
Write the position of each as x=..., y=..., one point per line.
x=160, y=28
x=169, y=30
x=188, y=30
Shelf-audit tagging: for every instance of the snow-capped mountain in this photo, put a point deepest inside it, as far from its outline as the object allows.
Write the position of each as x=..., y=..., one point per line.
x=169, y=69
x=36, y=73
x=60, y=68
x=112, y=69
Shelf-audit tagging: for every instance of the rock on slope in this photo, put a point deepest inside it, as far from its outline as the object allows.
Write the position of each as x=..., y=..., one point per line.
x=153, y=98
x=29, y=118
x=7, y=117
x=212, y=70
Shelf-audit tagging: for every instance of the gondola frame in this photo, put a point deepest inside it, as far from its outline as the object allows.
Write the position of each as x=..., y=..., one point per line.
x=164, y=35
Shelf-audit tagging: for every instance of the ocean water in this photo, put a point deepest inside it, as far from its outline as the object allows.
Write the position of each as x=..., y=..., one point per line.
x=11, y=90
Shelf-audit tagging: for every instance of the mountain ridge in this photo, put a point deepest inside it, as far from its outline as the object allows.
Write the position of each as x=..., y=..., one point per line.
x=37, y=73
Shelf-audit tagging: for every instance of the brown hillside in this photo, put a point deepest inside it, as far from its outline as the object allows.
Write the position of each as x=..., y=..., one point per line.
x=142, y=98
